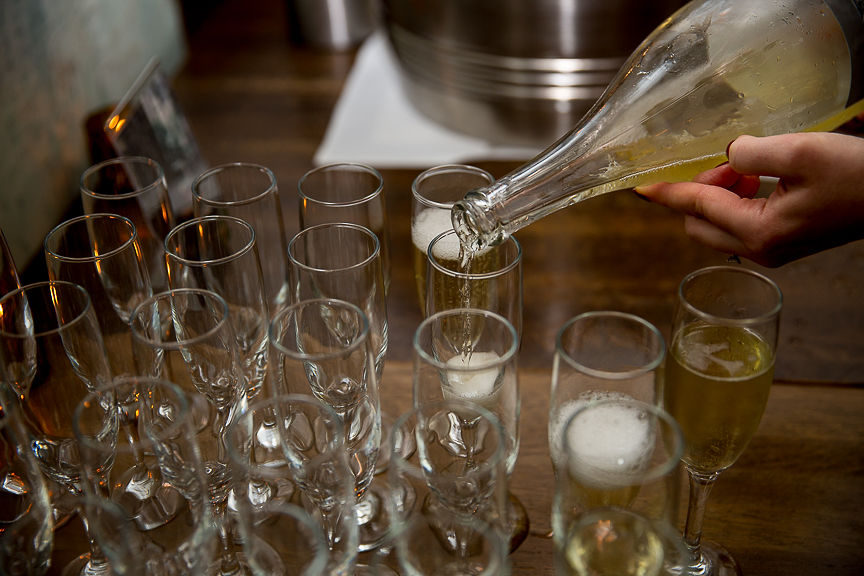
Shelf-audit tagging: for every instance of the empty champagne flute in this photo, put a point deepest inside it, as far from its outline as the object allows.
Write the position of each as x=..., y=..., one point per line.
x=471, y=354
x=490, y=280
x=719, y=374
x=220, y=253
x=602, y=354
x=101, y=252
x=349, y=193
x=249, y=192
x=51, y=356
x=26, y=516
x=617, y=493
x=189, y=330
x=449, y=498
x=286, y=441
x=433, y=193
x=134, y=187
x=185, y=542
x=343, y=261
x=322, y=347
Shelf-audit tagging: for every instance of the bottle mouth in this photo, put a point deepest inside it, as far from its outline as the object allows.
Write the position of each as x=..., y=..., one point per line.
x=471, y=220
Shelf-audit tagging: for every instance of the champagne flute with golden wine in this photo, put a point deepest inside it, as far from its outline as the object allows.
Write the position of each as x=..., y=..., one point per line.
x=718, y=376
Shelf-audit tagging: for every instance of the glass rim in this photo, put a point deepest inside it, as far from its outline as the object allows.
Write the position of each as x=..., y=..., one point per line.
x=445, y=169
x=302, y=234
x=115, y=384
x=510, y=240
x=233, y=220
x=360, y=339
x=356, y=166
x=216, y=170
x=158, y=180
x=133, y=238
x=561, y=352
x=728, y=320
x=505, y=358
x=402, y=462
x=652, y=473
x=20, y=292
x=175, y=345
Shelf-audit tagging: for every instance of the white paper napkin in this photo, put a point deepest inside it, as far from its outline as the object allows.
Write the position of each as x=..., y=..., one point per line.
x=374, y=122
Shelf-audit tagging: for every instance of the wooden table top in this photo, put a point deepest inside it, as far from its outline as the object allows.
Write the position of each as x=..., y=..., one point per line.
x=792, y=503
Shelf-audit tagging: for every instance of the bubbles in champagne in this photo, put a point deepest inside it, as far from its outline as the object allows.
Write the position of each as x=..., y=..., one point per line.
x=566, y=409
x=609, y=443
x=428, y=224
x=475, y=385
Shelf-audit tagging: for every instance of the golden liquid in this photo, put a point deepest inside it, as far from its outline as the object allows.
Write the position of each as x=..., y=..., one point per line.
x=612, y=542
x=459, y=287
x=717, y=384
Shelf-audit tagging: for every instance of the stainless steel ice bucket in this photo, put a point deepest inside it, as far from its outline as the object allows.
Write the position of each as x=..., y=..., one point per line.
x=514, y=71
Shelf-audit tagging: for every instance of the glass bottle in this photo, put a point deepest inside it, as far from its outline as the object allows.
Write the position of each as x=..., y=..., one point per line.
x=714, y=70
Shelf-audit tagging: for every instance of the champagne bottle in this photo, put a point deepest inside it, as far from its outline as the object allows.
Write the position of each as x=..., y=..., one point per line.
x=714, y=70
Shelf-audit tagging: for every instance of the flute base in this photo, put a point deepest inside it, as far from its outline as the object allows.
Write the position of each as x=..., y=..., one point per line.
x=715, y=560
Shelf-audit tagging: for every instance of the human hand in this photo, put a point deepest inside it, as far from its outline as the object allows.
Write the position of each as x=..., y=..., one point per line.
x=818, y=202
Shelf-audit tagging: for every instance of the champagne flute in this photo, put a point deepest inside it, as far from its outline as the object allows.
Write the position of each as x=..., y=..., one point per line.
x=617, y=491
x=433, y=193
x=189, y=330
x=343, y=261
x=26, y=517
x=602, y=354
x=350, y=193
x=449, y=498
x=220, y=253
x=249, y=191
x=471, y=354
x=134, y=187
x=101, y=252
x=491, y=279
x=322, y=347
x=51, y=356
x=724, y=341
x=184, y=543
x=280, y=442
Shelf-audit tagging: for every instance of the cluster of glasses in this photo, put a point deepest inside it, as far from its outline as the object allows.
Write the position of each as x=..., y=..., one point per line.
x=206, y=394
x=623, y=420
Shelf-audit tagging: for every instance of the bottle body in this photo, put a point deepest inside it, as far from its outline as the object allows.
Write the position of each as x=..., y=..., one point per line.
x=713, y=71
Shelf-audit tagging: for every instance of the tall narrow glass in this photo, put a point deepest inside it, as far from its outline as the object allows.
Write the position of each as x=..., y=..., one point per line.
x=51, y=356
x=285, y=441
x=433, y=193
x=189, y=331
x=101, y=252
x=350, y=193
x=448, y=499
x=718, y=378
x=185, y=542
x=249, y=191
x=471, y=355
x=601, y=355
x=134, y=187
x=220, y=254
x=617, y=493
x=26, y=518
x=322, y=348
